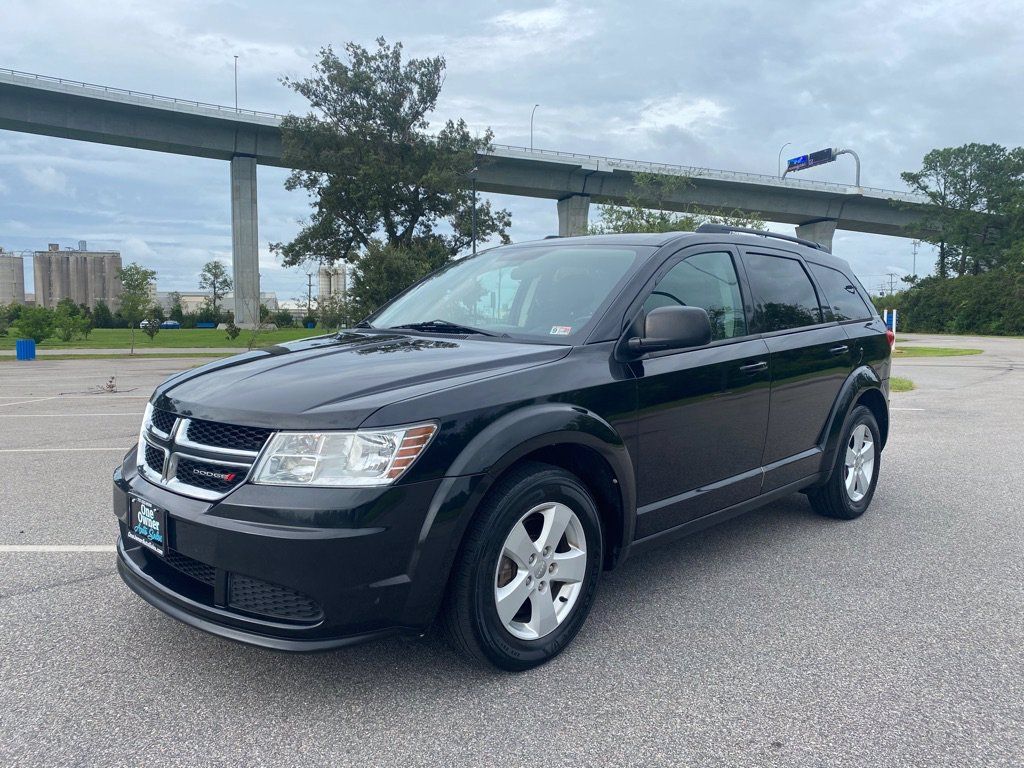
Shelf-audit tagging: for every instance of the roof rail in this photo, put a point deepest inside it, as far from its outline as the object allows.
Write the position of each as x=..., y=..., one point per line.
x=727, y=229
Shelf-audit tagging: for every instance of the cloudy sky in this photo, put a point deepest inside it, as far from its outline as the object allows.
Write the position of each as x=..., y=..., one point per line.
x=717, y=84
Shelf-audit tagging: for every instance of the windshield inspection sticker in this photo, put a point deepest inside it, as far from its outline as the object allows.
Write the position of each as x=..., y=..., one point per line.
x=561, y=330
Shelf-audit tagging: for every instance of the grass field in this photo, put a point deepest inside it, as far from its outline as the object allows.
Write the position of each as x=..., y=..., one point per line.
x=898, y=384
x=933, y=352
x=120, y=338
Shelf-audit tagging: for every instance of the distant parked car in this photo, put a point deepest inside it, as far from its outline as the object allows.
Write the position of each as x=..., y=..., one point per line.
x=172, y=325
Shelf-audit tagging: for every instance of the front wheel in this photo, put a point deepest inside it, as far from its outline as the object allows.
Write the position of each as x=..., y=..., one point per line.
x=528, y=569
x=849, y=489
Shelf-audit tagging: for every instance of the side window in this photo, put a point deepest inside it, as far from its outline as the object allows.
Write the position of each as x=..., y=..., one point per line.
x=705, y=280
x=784, y=296
x=840, y=294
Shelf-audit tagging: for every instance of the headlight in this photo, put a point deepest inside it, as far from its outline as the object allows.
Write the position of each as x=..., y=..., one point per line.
x=342, y=459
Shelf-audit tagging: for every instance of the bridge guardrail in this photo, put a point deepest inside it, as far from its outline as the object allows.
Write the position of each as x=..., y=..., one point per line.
x=612, y=162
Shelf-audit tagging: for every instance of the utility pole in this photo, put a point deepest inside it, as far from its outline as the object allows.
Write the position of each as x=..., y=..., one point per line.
x=917, y=243
x=309, y=295
x=892, y=282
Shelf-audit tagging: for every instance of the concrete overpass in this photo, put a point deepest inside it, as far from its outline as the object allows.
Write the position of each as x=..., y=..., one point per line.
x=245, y=138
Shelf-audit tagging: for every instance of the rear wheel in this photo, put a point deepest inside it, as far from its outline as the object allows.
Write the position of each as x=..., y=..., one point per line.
x=528, y=569
x=851, y=486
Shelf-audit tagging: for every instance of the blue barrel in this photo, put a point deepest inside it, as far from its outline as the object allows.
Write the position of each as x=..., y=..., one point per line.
x=25, y=349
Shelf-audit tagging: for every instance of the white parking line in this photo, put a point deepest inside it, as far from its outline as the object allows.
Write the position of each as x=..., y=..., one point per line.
x=61, y=450
x=25, y=402
x=97, y=395
x=72, y=414
x=5, y=548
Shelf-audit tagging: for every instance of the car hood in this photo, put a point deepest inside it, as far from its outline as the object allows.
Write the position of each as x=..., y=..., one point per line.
x=337, y=381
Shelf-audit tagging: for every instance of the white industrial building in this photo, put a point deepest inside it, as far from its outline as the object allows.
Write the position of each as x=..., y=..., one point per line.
x=192, y=301
x=333, y=281
x=12, y=278
x=84, y=276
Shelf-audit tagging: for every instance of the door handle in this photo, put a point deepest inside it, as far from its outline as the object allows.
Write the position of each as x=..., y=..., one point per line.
x=757, y=367
x=840, y=350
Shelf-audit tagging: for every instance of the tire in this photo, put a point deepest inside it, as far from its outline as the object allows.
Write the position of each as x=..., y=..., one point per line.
x=841, y=497
x=494, y=562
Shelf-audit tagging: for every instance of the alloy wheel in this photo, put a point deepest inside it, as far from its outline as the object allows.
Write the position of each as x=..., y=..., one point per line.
x=540, y=571
x=859, y=465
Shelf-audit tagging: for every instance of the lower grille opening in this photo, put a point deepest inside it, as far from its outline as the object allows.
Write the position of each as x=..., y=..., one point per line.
x=270, y=600
x=261, y=599
x=197, y=570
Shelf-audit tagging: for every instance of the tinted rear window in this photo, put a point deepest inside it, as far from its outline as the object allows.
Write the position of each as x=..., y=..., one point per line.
x=784, y=296
x=841, y=294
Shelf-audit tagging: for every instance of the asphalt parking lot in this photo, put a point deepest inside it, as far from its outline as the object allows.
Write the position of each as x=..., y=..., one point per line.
x=779, y=638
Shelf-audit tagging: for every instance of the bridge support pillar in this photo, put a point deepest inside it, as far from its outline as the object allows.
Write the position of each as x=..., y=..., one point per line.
x=819, y=232
x=245, y=254
x=572, y=215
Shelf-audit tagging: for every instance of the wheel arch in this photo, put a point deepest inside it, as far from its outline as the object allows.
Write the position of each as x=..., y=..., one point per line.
x=862, y=387
x=567, y=436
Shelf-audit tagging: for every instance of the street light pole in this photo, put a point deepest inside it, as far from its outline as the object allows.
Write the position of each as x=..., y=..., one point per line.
x=781, y=150
x=532, y=113
x=236, y=83
x=856, y=159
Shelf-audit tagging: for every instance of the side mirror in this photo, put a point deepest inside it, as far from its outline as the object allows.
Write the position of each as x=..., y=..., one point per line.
x=673, y=328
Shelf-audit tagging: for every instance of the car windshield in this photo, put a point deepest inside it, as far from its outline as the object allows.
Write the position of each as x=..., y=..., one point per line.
x=546, y=292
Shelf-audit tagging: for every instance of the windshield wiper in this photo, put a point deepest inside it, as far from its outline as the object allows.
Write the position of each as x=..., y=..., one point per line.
x=443, y=326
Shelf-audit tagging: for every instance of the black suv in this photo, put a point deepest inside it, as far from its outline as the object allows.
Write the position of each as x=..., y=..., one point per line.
x=491, y=440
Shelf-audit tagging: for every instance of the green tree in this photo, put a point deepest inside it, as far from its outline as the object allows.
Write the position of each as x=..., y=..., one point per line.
x=35, y=323
x=70, y=321
x=135, y=296
x=976, y=193
x=232, y=330
x=386, y=271
x=214, y=278
x=151, y=324
x=646, y=210
x=364, y=156
x=282, y=318
x=102, y=316
x=177, y=312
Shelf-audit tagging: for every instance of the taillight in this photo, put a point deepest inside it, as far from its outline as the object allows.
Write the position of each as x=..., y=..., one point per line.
x=890, y=336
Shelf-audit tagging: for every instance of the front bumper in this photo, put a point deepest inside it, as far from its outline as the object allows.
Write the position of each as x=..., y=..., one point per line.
x=296, y=569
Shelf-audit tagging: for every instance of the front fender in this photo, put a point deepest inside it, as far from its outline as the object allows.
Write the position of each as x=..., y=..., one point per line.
x=479, y=466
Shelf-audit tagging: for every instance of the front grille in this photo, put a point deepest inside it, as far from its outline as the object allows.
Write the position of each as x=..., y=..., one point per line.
x=193, y=568
x=163, y=420
x=212, y=477
x=265, y=599
x=228, y=436
x=155, y=459
x=202, y=459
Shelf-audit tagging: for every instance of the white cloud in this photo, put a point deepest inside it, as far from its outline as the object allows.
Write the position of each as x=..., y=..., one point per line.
x=696, y=115
x=514, y=39
x=48, y=180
